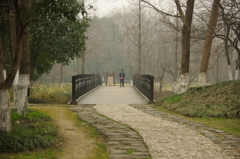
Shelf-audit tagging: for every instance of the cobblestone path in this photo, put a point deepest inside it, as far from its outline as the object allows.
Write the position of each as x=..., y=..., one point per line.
x=139, y=131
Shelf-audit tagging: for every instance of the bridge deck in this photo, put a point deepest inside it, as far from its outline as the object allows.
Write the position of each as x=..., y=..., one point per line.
x=113, y=95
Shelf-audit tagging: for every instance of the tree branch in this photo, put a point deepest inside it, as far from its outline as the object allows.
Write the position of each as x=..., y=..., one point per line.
x=161, y=12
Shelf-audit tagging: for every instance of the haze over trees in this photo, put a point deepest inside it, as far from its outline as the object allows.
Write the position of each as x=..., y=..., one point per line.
x=159, y=38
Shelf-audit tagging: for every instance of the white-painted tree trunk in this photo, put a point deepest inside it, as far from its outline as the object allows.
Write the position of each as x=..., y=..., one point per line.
x=21, y=90
x=230, y=76
x=175, y=87
x=4, y=74
x=14, y=85
x=202, y=79
x=237, y=74
x=5, y=116
x=184, y=82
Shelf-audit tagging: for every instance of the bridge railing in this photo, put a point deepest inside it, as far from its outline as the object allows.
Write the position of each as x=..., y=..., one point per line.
x=84, y=83
x=145, y=84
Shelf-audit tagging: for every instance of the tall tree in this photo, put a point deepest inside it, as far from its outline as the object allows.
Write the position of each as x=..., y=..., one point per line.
x=139, y=37
x=58, y=37
x=84, y=17
x=186, y=34
x=231, y=37
x=14, y=21
x=21, y=86
x=14, y=34
x=202, y=78
x=186, y=18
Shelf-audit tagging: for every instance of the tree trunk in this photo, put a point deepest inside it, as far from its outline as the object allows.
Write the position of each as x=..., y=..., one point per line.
x=14, y=85
x=139, y=39
x=237, y=69
x=184, y=76
x=230, y=76
x=184, y=82
x=77, y=67
x=129, y=63
x=186, y=33
x=202, y=79
x=5, y=118
x=61, y=78
x=175, y=76
x=175, y=56
x=5, y=121
x=12, y=31
x=83, y=62
x=16, y=50
x=21, y=89
x=2, y=79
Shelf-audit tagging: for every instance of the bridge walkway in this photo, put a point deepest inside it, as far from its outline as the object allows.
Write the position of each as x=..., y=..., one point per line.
x=113, y=95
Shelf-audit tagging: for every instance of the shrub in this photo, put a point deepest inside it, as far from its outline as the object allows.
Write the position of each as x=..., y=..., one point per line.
x=30, y=131
x=50, y=94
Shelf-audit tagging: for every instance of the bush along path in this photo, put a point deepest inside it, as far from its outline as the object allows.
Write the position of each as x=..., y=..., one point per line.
x=165, y=135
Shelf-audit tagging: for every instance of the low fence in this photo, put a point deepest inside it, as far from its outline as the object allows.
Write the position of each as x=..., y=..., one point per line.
x=84, y=83
x=145, y=84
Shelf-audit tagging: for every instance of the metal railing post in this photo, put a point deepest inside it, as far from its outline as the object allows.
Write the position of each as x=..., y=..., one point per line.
x=151, y=97
x=74, y=90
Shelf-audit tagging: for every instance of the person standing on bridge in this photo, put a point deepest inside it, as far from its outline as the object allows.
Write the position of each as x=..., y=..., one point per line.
x=122, y=76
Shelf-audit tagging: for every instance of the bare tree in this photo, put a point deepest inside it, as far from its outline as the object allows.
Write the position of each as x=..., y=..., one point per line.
x=230, y=20
x=186, y=32
x=135, y=27
x=202, y=78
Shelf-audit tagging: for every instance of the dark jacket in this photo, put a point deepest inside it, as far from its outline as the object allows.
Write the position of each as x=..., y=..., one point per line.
x=122, y=74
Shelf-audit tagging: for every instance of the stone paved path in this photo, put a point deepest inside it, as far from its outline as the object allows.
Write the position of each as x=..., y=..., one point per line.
x=171, y=137
x=122, y=142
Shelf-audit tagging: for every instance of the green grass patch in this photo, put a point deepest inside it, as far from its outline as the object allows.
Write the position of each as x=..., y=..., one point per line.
x=31, y=131
x=221, y=100
x=231, y=126
x=39, y=154
x=173, y=99
x=215, y=105
x=51, y=94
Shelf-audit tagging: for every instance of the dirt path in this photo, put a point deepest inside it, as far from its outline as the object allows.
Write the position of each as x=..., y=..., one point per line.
x=77, y=144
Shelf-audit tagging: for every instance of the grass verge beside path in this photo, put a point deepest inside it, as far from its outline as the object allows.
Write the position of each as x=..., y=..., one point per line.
x=95, y=149
x=216, y=105
x=231, y=126
x=89, y=133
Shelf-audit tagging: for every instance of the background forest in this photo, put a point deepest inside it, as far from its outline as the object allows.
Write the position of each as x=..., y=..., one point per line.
x=113, y=43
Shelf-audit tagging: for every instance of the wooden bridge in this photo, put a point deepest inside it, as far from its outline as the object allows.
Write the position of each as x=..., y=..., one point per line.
x=88, y=89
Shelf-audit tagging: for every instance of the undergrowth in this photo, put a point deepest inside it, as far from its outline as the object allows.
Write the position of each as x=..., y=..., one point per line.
x=50, y=94
x=220, y=100
x=29, y=132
